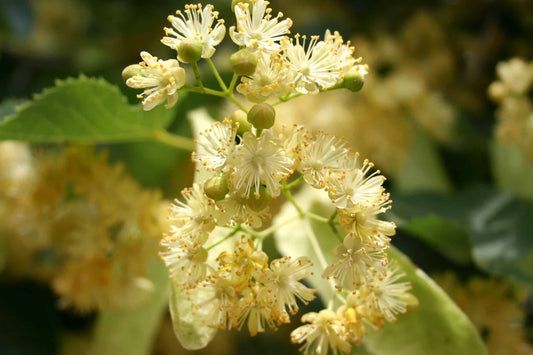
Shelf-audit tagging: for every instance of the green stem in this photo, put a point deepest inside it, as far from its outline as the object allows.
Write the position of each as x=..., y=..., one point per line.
x=272, y=229
x=197, y=74
x=217, y=75
x=290, y=198
x=317, y=217
x=173, y=140
x=236, y=102
x=233, y=232
x=294, y=183
x=233, y=83
x=331, y=222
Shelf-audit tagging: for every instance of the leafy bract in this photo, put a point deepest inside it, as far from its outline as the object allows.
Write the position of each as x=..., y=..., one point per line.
x=436, y=326
x=132, y=331
x=82, y=110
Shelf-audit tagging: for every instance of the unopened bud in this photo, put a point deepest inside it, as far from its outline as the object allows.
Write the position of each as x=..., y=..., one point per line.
x=262, y=116
x=354, y=80
x=131, y=71
x=260, y=201
x=241, y=118
x=216, y=188
x=243, y=62
x=190, y=50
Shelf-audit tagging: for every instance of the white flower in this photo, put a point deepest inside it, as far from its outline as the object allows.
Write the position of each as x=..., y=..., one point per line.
x=516, y=74
x=256, y=29
x=353, y=266
x=161, y=80
x=194, y=219
x=197, y=24
x=353, y=188
x=282, y=286
x=186, y=261
x=314, y=67
x=215, y=145
x=256, y=312
x=271, y=78
x=325, y=332
x=260, y=161
x=342, y=52
x=372, y=231
x=385, y=294
x=321, y=155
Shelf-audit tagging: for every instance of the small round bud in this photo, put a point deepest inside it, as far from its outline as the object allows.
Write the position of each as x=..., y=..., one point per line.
x=354, y=81
x=260, y=201
x=131, y=71
x=243, y=62
x=262, y=116
x=190, y=50
x=216, y=188
x=235, y=2
x=241, y=118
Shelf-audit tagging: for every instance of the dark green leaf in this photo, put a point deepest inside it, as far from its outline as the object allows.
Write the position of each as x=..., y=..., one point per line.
x=83, y=110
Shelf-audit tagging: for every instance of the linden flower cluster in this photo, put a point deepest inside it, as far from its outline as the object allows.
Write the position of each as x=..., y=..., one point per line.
x=214, y=246
x=78, y=223
x=515, y=114
x=272, y=65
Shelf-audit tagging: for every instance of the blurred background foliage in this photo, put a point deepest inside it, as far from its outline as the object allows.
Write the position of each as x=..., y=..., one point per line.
x=462, y=197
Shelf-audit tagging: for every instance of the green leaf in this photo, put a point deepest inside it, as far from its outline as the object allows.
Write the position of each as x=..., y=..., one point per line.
x=501, y=233
x=83, y=110
x=132, y=331
x=189, y=323
x=512, y=172
x=8, y=108
x=423, y=169
x=446, y=236
x=437, y=326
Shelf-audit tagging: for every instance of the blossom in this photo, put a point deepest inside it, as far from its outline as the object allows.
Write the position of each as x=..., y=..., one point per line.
x=215, y=146
x=193, y=219
x=161, y=80
x=324, y=332
x=197, y=24
x=353, y=266
x=256, y=28
x=312, y=64
x=354, y=188
x=282, y=286
x=385, y=294
x=256, y=312
x=321, y=155
x=271, y=78
x=516, y=75
x=186, y=261
x=260, y=160
x=342, y=52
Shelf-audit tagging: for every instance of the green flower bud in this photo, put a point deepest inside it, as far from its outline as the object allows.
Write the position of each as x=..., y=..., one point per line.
x=262, y=116
x=216, y=188
x=243, y=62
x=190, y=50
x=260, y=201
x=241, y=118
x=353, y=81
x=131, y=71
